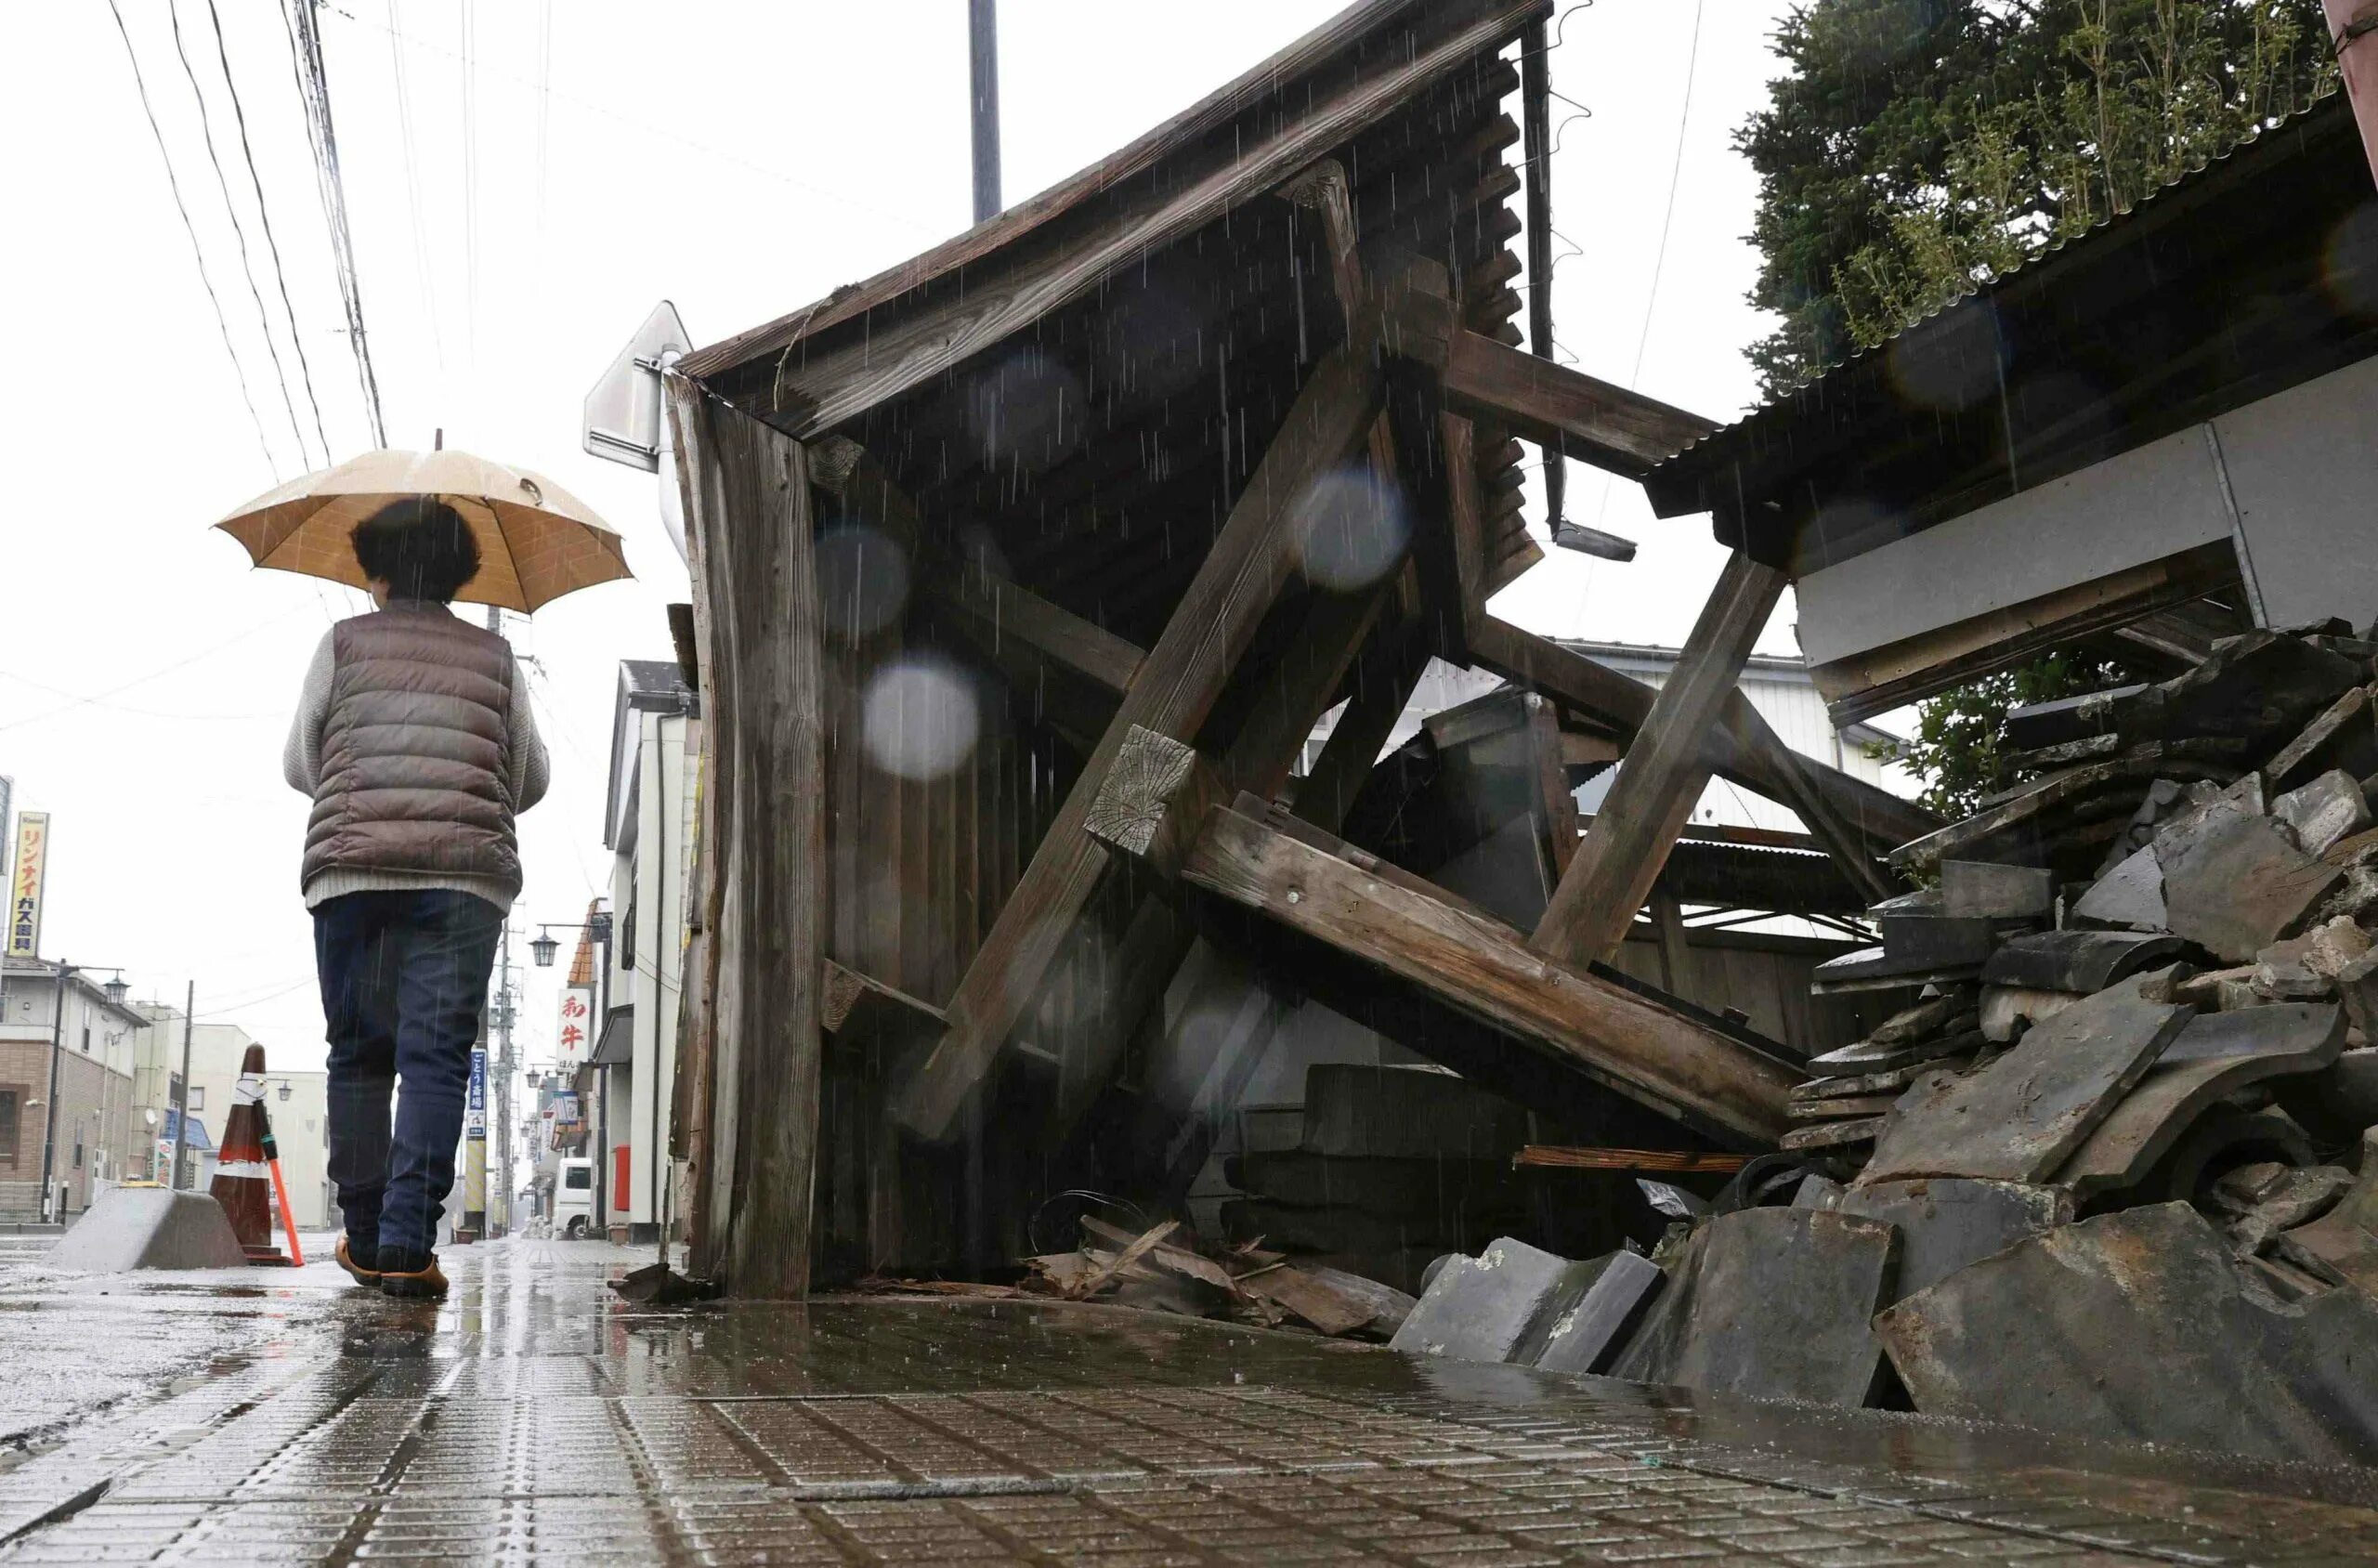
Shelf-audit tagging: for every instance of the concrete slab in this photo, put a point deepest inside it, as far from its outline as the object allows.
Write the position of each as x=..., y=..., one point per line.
x=2020, y=1118
x=1771, y=1303
x=150, y=1228
x=1481, y=1309
x=2136, y=1327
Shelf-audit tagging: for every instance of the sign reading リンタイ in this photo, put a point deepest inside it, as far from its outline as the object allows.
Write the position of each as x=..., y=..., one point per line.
x=24, y=888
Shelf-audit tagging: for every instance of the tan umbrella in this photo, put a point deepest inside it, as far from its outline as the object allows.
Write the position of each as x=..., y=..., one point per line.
x=537, y=541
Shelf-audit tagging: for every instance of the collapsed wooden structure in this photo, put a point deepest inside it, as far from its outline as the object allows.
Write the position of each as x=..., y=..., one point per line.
x=1023, y=573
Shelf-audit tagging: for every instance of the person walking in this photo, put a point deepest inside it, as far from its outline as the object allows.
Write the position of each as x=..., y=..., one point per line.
x=414, y=739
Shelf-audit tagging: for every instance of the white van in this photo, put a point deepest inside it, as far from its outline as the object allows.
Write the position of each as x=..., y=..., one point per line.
x=574, y=1200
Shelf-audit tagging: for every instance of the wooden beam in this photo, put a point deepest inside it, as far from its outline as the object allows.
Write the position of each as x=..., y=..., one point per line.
x=857, y=1009
x=1391, y=665
x=1560, y=410
x=1002, y=618
x=758, y=590
x=1153, y=799
x=1750, y=754
x=1176, y=686
x=1614, y=1035
x=1660, y=781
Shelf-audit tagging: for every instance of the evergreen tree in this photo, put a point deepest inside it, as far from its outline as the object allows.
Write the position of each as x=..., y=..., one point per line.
x=1917, y=148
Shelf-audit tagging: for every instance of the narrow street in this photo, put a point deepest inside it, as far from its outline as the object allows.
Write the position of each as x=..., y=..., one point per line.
x=534, y=1417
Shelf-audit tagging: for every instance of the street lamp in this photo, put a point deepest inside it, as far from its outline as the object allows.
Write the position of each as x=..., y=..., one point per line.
x=117, y=990
x=543, y=948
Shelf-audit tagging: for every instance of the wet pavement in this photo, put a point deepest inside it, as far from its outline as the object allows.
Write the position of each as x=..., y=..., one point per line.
x=281, y=1418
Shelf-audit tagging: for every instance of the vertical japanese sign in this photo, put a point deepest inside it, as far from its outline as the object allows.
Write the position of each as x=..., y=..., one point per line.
x=576, y=1024
x=24, y=888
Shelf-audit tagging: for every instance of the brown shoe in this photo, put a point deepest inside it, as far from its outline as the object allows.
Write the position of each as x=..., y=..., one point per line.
x=360, y=1275
x=427, y=1282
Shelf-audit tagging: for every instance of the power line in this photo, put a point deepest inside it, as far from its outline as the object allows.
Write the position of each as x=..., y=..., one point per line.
x=247, y=264
x=1667, y=219
x=413, y=190
x=470, y=182
x=313, y=90
x=196, y=253
x=272, y=242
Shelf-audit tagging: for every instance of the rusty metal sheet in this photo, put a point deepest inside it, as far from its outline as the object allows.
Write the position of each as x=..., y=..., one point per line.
x=2136, y=1327
x=2020, y=1118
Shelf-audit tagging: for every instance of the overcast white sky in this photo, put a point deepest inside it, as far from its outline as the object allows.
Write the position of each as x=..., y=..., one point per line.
x=525, y=179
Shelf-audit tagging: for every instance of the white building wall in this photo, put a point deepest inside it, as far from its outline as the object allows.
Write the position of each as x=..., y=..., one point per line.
x=665, y=782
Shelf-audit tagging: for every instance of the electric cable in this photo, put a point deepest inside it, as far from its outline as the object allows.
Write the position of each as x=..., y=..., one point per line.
x=198, y=252
x=419, y=226
x=247, y=264
x=313, y=91
x=271, y=241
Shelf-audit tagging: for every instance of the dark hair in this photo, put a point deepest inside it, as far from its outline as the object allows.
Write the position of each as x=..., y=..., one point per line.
x=419, y=546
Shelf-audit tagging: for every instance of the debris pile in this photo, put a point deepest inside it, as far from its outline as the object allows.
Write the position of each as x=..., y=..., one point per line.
x=1162, y=1269
x=2115, y=1170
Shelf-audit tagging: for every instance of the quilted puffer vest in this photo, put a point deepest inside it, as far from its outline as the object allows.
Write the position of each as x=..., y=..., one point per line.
x=413, y=773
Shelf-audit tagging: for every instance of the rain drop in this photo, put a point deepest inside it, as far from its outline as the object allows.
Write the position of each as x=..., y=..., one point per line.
x=1351, y=529
x=919, y=718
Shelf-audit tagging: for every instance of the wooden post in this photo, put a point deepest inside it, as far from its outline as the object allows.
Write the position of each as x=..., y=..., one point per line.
x=757, y=589
x=1173, y=691
x=1661, y=778
x=1556, y=803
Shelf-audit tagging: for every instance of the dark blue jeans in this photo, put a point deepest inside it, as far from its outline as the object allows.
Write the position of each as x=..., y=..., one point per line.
x=404, y=981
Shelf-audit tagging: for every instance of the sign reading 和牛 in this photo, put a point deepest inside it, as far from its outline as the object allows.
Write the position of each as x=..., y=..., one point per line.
x=574, y=1037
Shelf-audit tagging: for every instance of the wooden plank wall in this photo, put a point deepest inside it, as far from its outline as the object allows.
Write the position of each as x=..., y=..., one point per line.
x=916, y=870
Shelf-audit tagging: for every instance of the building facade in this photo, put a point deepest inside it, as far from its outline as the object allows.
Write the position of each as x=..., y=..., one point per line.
x=297, y=1103
x=97, y=1042
x=647, y=826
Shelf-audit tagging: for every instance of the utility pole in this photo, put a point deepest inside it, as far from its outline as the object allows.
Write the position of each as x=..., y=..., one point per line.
x=49, y=1110
x=504, y=1080
x=181, y=1101
x=983, y=47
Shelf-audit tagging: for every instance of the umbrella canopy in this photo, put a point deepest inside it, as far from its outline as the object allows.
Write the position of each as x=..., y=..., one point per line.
x=537, y=541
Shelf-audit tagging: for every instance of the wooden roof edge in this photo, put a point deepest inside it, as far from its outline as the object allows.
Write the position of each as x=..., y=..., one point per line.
x=1271, y=78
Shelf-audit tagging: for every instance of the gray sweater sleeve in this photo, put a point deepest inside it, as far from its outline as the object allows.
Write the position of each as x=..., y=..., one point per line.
x=301, y=756
x=530, y=767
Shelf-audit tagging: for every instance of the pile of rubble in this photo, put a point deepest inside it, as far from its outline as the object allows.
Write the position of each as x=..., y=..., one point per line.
x=2115, y=1170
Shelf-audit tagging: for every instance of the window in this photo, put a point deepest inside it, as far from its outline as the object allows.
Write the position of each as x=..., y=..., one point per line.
x=10, y=1099
x=78, y=1148
x=579, y=1178
x=197, y=1098
x=86, y=1039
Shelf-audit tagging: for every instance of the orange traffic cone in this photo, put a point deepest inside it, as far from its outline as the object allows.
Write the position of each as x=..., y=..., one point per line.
x=243, y=1181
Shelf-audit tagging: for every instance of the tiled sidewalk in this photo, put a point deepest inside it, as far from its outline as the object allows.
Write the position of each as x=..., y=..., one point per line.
x=534, y=1417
